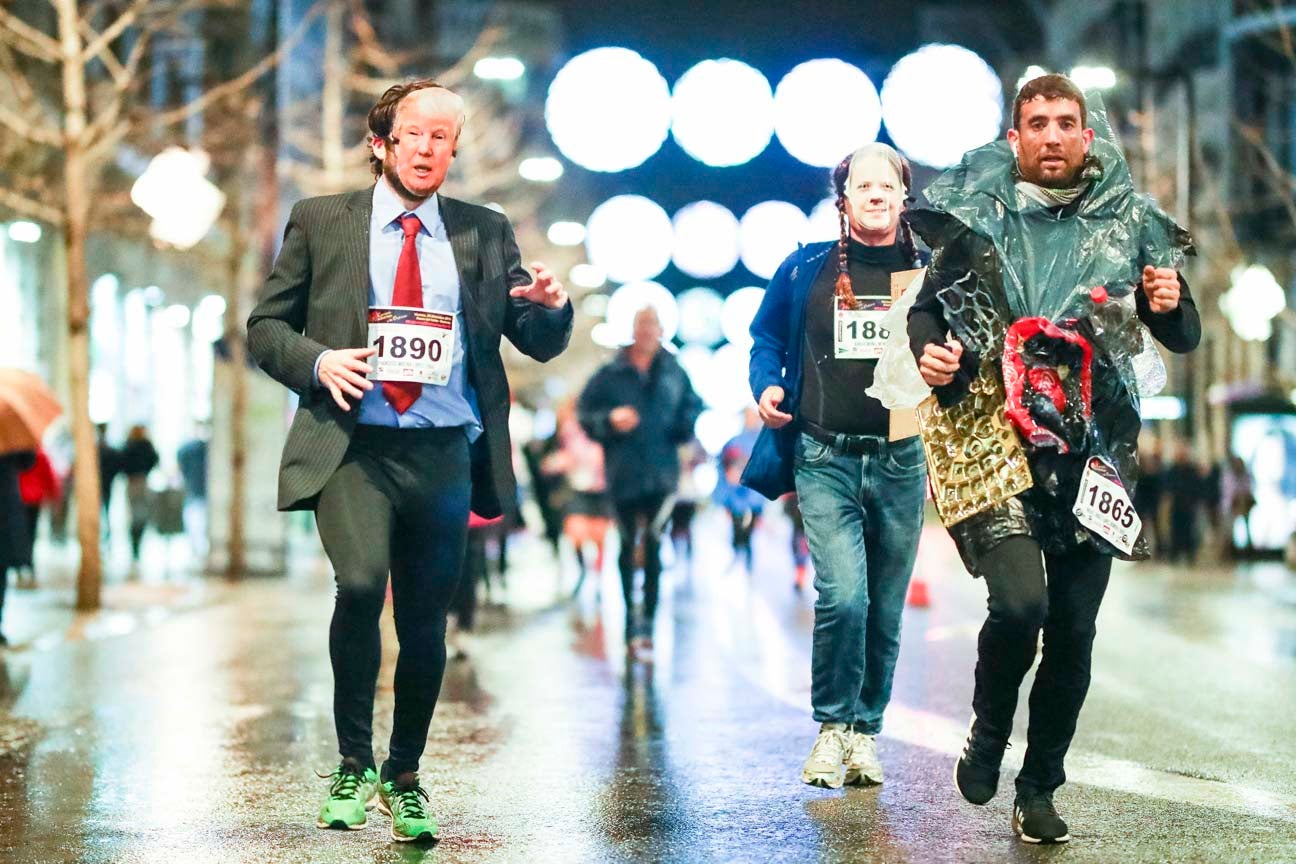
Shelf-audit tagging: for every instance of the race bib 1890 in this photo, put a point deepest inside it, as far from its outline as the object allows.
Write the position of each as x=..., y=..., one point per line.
x=1104, y=507
x=859, y=332
x=412, y=344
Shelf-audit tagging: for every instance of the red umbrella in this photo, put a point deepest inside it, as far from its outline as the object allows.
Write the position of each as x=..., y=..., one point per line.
x=27, y=408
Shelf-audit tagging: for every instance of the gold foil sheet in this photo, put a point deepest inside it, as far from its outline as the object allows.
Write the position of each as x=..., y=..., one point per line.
x=974, y=457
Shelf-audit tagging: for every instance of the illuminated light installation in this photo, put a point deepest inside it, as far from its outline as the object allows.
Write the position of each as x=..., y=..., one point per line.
x=824, y=110
x=825, y=222
x=706, y=240
x=722, y=112
x=940, y=102
x=768, y=233
x=566, y=234
x=626, y=302
x=736, y=317
x=700, y=310
x=630, y=238
x=608, y=109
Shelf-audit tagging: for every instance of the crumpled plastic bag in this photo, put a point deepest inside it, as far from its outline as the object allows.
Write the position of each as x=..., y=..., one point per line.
x=897, y=383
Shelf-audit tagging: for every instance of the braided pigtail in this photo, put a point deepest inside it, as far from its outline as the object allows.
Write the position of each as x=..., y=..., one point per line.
x=843, y=288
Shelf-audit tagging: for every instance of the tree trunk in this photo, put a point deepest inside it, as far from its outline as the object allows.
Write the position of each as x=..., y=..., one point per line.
x=332, y=115
x=77, y=175
x=236, y=341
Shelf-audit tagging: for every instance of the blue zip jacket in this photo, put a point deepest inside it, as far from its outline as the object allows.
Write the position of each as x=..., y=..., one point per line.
x=778, y=325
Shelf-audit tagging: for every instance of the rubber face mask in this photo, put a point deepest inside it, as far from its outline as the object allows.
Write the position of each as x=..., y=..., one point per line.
x=874, y=195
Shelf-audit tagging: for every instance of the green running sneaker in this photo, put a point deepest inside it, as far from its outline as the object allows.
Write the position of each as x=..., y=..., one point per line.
x=402, y=799
x=350, y=795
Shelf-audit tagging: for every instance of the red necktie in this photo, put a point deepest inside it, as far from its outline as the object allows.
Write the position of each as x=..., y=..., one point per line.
x=407, y=292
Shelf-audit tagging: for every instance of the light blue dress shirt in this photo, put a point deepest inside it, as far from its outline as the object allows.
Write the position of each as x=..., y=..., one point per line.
x=451, y=404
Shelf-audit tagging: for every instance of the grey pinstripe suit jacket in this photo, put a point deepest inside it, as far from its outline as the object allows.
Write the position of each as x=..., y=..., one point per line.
x=317, y=297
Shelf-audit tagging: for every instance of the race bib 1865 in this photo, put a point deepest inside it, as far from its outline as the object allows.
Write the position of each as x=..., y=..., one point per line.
x=412, y=344
x=1104, y=507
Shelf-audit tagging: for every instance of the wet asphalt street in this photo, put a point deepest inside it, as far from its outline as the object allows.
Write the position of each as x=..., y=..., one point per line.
x=189, y=731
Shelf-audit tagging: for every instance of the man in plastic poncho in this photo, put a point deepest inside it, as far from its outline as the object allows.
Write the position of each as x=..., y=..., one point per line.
x=1042, y=245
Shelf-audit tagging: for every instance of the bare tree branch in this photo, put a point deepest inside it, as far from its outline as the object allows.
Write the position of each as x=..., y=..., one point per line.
x=37, y=132
x=19, y=203
x=115, y=29
x=21, y=86
x=240, y=82
x=28, y=40
x=105, y=55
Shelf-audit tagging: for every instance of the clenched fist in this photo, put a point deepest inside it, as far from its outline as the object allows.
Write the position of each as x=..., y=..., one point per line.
x=939, y=362
x=1161, y=285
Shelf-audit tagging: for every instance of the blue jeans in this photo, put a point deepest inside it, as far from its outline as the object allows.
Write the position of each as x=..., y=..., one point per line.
x=863, y=514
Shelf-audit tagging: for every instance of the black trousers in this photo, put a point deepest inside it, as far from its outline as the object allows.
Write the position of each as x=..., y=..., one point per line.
x=1029, y=591
x=398, y=503
x=642, y=517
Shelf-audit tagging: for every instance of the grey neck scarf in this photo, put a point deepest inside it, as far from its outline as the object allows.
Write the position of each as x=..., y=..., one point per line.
x=1051, y=197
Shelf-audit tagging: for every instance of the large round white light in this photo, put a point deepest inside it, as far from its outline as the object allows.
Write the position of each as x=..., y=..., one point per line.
x=24, y=232
x=1253, y=300
x=824, y=110
x=175, y=191
x=626, y=302
x=715, y=428
x=700, y=310
x=940, y=102
x=768, y=233
x=706, y=240
x=825, y=222
x=719, y=377
x=566, y=233
x=739, y=310
x=629, y=237
x=587, y=276
x=540, y=169
x=722, y=112
x=608, y=109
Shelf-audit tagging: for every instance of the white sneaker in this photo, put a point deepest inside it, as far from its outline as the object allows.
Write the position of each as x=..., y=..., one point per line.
x=824, y=767
x=862, y=765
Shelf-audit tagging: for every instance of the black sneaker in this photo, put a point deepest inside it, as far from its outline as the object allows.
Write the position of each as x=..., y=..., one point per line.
x=976, y=774
x=1035, y=820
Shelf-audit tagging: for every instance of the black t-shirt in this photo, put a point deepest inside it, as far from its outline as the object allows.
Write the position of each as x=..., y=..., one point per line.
x=833, y=394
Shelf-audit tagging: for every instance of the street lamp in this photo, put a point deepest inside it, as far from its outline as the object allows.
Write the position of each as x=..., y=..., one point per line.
x=1253, y=300
x=175, y=191
x=24, y=232
x=1093, y=77
x=499, y=68
x=540, y=169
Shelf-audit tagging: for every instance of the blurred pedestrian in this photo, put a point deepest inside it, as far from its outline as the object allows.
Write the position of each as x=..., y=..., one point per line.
x=40, y=486
x=109, y=468
x=1238, y=499
x=800, y=544
x=743, y=505
x=1148, y=496
x=392, y=470
x=687, y=497
x=1185, y=488
x=13, y=519
x=579, y=460
x=138, y=459
x=860, y=473
x=191, y=459
x=641, y=406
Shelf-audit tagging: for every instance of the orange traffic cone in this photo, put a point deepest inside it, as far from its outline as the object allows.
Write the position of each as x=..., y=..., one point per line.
x=918, y=596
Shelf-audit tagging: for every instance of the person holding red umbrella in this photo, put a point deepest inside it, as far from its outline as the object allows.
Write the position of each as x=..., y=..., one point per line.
x=38, y=486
